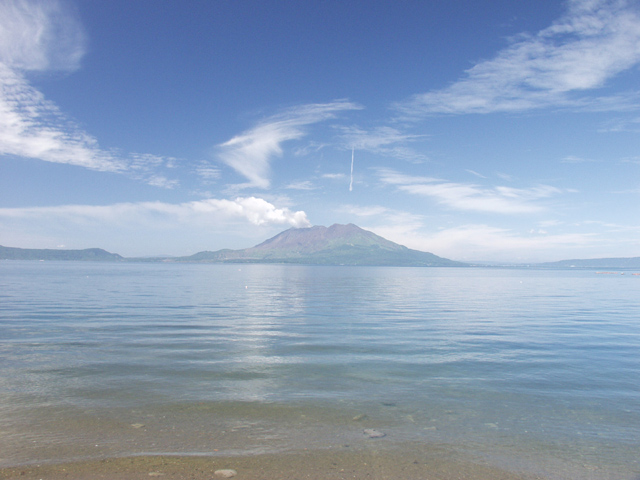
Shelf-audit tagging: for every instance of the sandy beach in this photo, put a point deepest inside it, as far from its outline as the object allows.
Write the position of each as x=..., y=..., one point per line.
x=326, y=465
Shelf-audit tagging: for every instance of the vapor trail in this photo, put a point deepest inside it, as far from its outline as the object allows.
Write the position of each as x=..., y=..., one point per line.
x=351, y=182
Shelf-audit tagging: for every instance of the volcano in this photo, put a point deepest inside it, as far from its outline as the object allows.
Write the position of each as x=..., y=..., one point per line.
x=334, y=245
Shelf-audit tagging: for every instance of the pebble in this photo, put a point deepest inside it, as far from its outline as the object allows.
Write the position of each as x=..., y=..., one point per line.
x=226, y=473
x=137, y=425
x=374, y=433
x=155, y=474
x=357, y=418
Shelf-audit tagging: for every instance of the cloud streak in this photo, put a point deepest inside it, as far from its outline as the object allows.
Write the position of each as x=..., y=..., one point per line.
x=593, y=42
x=32, y=127
x=38, y=36
x=546, y=240
x=470, y=197
x=484, y=242
x=479, y=242
x=250, y=153
x=386, y=141
x=256, y=211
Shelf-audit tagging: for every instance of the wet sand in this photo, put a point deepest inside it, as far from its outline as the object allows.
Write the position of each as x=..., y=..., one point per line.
x=316, y=465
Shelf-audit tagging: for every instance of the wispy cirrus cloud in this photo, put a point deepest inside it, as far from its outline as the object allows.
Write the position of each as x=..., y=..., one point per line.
x=575, y=159
x=334, y=176
x=471, y=197
x=386, y=141
x=387, y=220
x=621, y=125
x=250, y=153
x=208, y=173
x=302, y=185
x=473, y=172
x=42, y=36
x=593, y=42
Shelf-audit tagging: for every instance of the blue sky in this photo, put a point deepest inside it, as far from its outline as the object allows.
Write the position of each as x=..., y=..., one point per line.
x=500, y=131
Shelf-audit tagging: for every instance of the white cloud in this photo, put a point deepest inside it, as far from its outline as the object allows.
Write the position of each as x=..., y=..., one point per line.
x=483, y=242
x=550, y=240
x=32, y=127
x=256, y=211
x=251, y=152
x=149, y=228
x=367, y=211
x=575, y=159
x=471, y=197
x=161, y=181
x=207, y=172
x=392, y=177
x=44, y=36
x=592, y=43
x=385, y=141
x=40, y=35
x=311, y=148
x=621, y=125
x=477, y=242
x=395, y=225
x=304, y=185
x=505, y=176
x=473, y=172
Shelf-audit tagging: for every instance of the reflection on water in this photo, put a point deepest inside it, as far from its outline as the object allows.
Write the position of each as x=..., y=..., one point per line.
x=515, y=365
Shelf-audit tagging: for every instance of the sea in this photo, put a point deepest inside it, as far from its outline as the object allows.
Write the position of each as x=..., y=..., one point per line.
x=529, y=370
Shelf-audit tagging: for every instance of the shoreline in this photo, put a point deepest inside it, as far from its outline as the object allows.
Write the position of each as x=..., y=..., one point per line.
x=405, y=464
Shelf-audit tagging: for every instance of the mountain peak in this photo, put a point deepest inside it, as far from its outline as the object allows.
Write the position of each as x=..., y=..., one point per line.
x=334, y=245
x=319, y=238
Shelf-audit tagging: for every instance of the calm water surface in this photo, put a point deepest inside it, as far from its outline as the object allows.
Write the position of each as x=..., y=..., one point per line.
x=535, y=371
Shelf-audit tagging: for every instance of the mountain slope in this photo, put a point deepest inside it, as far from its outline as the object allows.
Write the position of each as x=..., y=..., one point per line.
x=318, y=245
x=89, y=254
x=314, y=239
x=632, y=262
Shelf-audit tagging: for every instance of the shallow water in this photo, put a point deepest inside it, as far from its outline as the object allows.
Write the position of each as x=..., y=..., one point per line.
x=532, y=370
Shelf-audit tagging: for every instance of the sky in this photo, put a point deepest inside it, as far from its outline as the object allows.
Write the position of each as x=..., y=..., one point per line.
x=502, y=131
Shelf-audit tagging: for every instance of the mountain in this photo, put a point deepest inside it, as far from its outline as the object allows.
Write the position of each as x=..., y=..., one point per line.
x=318, y=245
x=335, y=245
x=89, y=254
x=632, y=262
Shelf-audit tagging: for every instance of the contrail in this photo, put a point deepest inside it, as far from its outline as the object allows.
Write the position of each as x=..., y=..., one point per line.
x=351, y=182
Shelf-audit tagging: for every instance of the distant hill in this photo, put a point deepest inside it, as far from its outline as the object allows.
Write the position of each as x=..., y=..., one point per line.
x=335, y=245
x=89, y=254
x=631, y=262
x=318, y=245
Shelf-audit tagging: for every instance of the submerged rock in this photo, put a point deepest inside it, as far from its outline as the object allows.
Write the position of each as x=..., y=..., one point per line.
x=374, y=433
x=225, y=473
